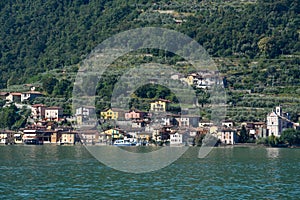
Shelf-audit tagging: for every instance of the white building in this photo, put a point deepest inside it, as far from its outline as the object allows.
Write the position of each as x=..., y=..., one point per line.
x=30, y=95
x=84, y=113
x=14, y=97
x=228, y=123
x=53, y=113
x=277, y=121
x=228, y=136
x=175, y=139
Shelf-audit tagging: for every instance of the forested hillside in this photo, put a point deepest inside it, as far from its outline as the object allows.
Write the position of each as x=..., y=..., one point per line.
x=37, y=35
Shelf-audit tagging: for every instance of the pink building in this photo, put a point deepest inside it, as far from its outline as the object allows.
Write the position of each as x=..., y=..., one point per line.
x=135, y=114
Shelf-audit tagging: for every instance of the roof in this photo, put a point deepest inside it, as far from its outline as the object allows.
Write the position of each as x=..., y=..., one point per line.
x=163, y=100
x=106, y=109
x=136, y=111
x=272, y=114
x=16, y=93
x=259, y=123
x=228, y=129
x=33, y=92
x=53, y=108
x=39, y=105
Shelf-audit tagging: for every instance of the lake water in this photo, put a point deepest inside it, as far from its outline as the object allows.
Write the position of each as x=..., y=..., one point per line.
x=70, y=172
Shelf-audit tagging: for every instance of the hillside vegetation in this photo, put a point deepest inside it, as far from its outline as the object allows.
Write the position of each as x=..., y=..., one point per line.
x=254, y=43
x=37, y=36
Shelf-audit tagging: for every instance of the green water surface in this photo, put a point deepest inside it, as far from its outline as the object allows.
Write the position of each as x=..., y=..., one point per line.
x=70, y=172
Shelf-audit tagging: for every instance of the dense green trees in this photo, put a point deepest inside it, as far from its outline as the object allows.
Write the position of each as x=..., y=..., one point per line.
x=291, y=137
x=12, y=117
x=41, y=35
x=260, y=38
x=48, y=84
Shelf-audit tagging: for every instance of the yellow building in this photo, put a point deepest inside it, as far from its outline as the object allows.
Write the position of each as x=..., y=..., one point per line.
x=114, y=133
x=159, y=105
x=190, y=79
x=68, y=137
x=109, y=114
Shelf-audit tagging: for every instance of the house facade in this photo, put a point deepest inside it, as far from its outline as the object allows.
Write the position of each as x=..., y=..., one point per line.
x=14, y=97
x=84, y=113
x=135, y=114
x=176, y=139
x=277, y=121
x=159, y=105
x=204, y=79
x=109, y=114
x=38, y=111
x=53, y=113
x=228, y=136
x=69, y=137
x=28, y=96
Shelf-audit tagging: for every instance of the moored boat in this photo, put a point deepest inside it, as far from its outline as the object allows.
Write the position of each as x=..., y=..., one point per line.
x=125, y=142
x=33, y=142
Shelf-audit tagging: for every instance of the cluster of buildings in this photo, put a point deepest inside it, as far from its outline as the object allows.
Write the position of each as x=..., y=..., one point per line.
x=20, y=97
x=157, y=126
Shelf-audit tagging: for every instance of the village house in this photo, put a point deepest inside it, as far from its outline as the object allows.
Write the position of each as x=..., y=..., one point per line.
x=84, y=113
x=33, y=135
x=205, y=123
x=7, y=137
x=204, y=79
x=14, y=97
x=69, y=137
x=160, y=105
x=138, y=123
x=162, y=134
x=53, y=113
x=114, y=134
x=140, y=135
x=55, y=137
x=135, y=114
x=176, y=139
x=188, y=121
x=109, y=114
x=89, y=136
x=3, y=95
x=228, y=136
x=169, y=120
x=31, y=95
x=256, y=129
x=38, y=111
x=228, y=123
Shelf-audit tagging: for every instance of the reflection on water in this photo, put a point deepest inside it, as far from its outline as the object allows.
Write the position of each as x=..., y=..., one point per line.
x=54, y=172
x=273, y=152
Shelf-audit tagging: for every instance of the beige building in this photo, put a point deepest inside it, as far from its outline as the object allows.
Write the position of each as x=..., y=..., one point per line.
x=68, y=137
x=159, y=105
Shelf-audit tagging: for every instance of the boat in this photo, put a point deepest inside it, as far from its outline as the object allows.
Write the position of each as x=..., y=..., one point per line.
x=125, y=142
x=33, y=141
